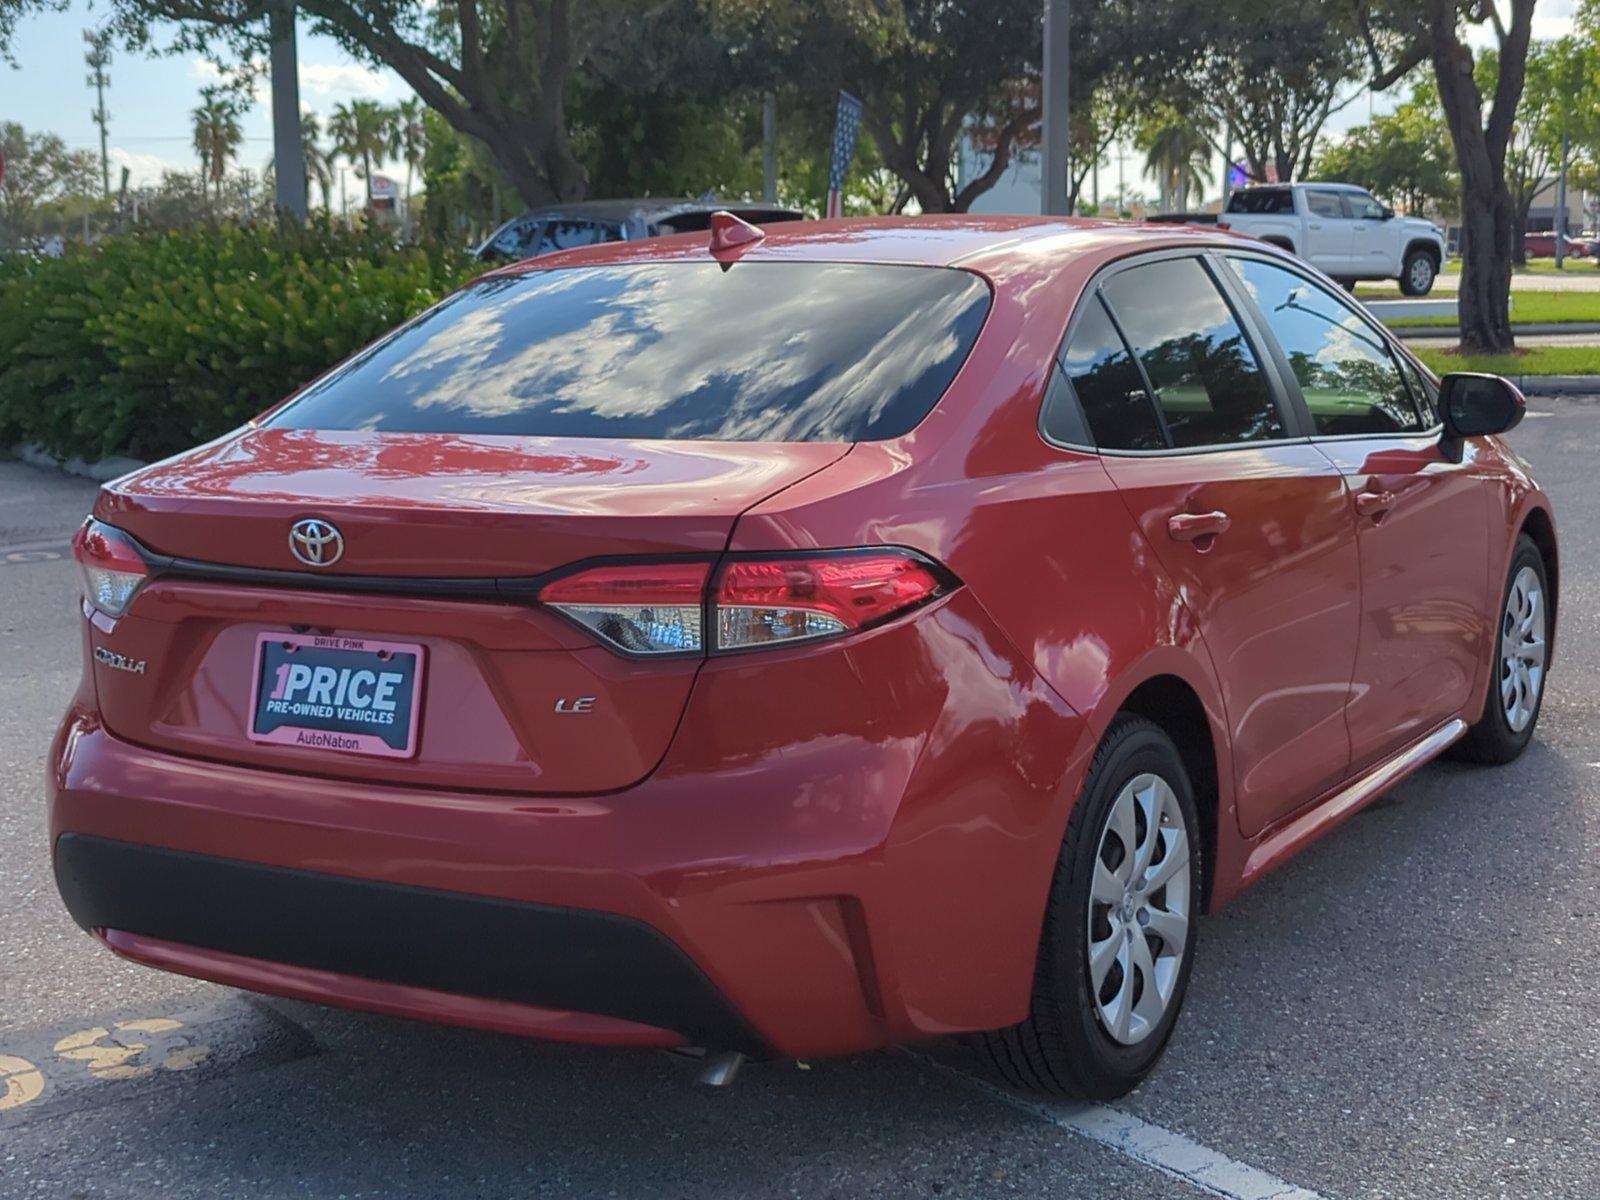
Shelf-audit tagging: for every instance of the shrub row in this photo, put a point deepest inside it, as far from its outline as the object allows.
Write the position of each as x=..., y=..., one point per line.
x=145, y=345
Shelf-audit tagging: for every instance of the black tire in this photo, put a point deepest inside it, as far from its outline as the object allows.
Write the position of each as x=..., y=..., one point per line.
x=1346, y=282
x=1493, y=740
x=1417, y=272
x=1061, y=1047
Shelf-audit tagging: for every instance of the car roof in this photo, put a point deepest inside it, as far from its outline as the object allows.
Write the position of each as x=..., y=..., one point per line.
x=935, y=240
x=1302, y=183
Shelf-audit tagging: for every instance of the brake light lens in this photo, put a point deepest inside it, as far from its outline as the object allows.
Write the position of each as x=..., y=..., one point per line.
x=113, y=568
x=767, y=601
x=648, y=608
x=662, y=608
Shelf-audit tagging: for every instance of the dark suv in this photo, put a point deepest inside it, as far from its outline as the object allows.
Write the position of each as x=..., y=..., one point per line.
x=588, y=222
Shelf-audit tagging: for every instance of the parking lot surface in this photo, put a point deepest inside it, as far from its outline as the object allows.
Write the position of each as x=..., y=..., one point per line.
x=1407, y=1010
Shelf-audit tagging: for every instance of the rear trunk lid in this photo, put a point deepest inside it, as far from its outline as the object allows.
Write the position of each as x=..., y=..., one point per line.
x=511, y=697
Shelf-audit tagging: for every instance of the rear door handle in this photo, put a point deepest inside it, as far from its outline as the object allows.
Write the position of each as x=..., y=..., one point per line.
x=1374, y=504
x=1193, y=527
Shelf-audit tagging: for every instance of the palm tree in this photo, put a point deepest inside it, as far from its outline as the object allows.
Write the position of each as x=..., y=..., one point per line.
x=1178, y=156
x=409, y=141
x=217, y=133
x=361, y=132
x=319, y=159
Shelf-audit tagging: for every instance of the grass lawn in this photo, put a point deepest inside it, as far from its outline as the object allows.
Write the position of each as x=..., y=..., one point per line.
x=1529, y=307
x=1538, y=360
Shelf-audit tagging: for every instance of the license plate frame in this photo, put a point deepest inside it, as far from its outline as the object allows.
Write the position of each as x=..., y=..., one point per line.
x=338, y=733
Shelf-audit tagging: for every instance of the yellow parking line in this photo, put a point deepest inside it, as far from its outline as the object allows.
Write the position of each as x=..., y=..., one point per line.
x=23, y=1082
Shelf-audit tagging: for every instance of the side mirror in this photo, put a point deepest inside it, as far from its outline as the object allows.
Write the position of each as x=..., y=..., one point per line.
x=1388, y=213
x=1474, y=405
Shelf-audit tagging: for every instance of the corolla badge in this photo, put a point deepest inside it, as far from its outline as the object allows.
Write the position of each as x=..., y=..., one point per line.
x=316, y=543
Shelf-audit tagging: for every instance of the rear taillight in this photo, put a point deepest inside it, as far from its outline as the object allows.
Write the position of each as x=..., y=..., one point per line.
x=112, y=566
x=645, y=608
x=750, y=602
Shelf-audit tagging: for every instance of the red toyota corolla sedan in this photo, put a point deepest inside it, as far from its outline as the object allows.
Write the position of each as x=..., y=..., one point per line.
x=796, y=645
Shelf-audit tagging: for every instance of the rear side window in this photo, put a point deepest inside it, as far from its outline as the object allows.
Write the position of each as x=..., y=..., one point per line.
x=1207, y=382
x=819, y=352
x=1350, y=380
x=1262, y=200
x=1108, y=386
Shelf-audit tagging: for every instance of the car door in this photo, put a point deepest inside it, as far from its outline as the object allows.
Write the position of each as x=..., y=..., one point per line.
x=1249, y=521
x=1328, y=236
x=1422, y=519
x=1374, y=245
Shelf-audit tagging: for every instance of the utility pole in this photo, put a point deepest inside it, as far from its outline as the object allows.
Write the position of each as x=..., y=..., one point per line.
x=1057, y=115
x=769, y=148
x=288, y=151
x=97, y=58
x=1561, y=203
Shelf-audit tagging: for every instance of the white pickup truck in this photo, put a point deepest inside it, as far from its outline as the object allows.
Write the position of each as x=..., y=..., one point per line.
x=1342, y=230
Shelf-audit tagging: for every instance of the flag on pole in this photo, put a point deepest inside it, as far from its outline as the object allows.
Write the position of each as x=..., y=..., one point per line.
x=846, y=125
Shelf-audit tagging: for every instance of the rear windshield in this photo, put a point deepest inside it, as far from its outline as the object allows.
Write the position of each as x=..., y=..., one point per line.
x=1262, y=200
x=754, y=352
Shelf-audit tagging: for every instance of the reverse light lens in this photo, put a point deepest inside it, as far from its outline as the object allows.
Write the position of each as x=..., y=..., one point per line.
x=649, y=608
x=113, y=569
x=760, y=602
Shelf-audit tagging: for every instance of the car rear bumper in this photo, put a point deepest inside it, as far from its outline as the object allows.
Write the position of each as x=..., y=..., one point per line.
x=879, y=879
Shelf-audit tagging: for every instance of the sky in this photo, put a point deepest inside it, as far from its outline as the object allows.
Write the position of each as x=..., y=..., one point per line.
x=150, y=98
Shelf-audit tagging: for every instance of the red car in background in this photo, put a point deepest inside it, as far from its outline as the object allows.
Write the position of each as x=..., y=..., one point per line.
x=1543, y=245
x=799, y=644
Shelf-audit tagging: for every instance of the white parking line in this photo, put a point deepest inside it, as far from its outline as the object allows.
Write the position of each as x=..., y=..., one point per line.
x=1172, y=1154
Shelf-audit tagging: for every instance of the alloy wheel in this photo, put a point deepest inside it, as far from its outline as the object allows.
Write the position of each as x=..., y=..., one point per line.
x=1522, y=650
x=1139, y=909
x=1421, y=273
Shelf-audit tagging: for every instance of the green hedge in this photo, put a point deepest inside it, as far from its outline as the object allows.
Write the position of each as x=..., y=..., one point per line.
x=145, y=345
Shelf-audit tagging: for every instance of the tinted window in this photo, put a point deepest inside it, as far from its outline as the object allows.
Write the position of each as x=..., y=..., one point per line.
x=1262, y=200
x=1206, y=379
x=1350, y=381
x=1325, y=204
x=517, y=240
x=759, y=352
x=566, y=235
x=1108, y=386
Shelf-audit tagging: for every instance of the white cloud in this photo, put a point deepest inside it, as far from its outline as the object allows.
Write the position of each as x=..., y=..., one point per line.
x=324, y=79
x=144, y=170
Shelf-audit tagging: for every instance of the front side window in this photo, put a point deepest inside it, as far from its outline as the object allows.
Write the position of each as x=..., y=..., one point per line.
x=1325, y=204
x=1364, y=208
x=823, y=352
x=1350, y=380
x=518, y=239
x=1207, y=382
x=1108, y=386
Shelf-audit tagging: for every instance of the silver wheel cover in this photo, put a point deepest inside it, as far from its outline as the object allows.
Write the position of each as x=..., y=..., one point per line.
x=1421, y=272
x=1139, y=909
x=1522, y=652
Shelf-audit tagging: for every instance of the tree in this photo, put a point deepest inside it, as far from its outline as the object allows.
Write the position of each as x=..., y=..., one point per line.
x=217, y=133
x=318, y=158
x=1271, y=72
x=1177, y=157
x=40, y=171
x=409, y=140
x=1400, y=34
x=1402, y=157
x=362, y=131
x=496, y=70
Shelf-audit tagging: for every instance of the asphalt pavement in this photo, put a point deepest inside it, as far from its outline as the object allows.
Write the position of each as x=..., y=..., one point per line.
x=1408, y=1010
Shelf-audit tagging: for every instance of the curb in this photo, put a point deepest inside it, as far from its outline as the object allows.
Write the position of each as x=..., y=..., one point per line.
x=103, y=471
x=1533, y=329
x=1557, y=385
